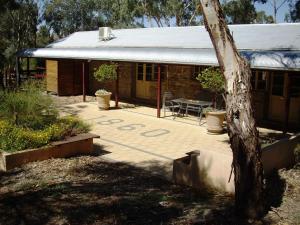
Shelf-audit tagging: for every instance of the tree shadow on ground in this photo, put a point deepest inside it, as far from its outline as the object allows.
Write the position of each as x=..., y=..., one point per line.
x=102, y=192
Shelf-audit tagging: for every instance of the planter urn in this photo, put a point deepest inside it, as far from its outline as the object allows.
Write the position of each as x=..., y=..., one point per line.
x=214, y=121
x=103, y=101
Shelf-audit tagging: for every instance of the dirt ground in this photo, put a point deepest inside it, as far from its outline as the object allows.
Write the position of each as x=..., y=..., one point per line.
x=89, y=190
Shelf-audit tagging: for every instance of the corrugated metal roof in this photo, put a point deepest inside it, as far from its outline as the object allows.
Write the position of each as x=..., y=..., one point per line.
x=273, y=46
x=247, y=37
x=284, y=60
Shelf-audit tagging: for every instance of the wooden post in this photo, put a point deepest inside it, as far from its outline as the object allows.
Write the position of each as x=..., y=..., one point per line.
x=83, y=82
x=17, y=72
x=287, y=104
x=117, y=89
x=158, y=90
x=27, y=60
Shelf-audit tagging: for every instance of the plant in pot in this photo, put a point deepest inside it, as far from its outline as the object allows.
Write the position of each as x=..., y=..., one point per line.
x=105, y=72
x=213, y=80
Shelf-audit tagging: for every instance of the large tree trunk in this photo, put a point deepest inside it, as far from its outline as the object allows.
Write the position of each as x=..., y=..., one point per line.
x=239, y=114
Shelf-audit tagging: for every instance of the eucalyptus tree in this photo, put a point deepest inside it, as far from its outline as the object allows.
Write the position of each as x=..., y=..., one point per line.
x=186, y=12
x=18, y=26
x=242, y=131
x=240, y=11
x=64, y=17
x=294, y=13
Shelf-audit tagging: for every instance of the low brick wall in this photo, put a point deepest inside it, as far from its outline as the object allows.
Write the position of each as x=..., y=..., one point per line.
x=213, y=168
x=280, y=154
x=81, y=144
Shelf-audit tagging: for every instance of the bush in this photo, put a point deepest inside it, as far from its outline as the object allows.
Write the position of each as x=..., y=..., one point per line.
x=67, y=127
x=106, y=72
x=28, y=107
x=14, y=138
x=213, y=80
x=28, y=119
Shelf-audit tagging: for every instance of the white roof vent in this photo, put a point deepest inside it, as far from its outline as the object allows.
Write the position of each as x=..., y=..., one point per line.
x=105, y=34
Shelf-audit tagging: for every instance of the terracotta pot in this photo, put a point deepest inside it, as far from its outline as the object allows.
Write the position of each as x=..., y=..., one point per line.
x=214, y=121
x=103, y=101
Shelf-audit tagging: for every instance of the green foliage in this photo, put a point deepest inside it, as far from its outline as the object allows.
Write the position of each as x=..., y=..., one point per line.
x=212, y=79
x=28, y=107
x=262, y=17
x=67, y=127
x=106, y=72
x=242, y=11
x=295, y=10
x=14, y=138
x=18, y=26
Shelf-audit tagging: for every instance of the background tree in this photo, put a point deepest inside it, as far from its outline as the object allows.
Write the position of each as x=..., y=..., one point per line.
x=240, y=11
x=247, y=166
x=64, y=17
x=18, y=26
x=186, y=12
x=294, y=14
x=262, y=17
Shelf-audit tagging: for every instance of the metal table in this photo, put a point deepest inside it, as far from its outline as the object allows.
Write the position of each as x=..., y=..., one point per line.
x=192, y=105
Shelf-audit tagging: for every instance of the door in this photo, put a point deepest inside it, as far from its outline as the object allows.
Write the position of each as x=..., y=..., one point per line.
x=278, y=96
x=294, y=112
x=143, y=80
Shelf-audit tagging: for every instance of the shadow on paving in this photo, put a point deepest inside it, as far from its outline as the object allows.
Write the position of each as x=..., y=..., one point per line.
x=101, y=192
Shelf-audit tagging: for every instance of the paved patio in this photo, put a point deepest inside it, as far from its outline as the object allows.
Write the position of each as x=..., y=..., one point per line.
x=134, y=135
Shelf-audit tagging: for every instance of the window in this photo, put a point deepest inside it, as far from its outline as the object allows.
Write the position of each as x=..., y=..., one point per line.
x=150, y=71
x=278, y=84
x=295, y=85
x=253, y=79
x=261, y=80
x=140, y=72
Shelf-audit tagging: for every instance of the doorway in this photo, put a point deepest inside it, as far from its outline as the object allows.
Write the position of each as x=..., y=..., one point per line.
x=278, y=96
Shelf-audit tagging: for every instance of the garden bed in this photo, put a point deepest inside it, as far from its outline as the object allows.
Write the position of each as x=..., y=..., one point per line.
x=81, y=144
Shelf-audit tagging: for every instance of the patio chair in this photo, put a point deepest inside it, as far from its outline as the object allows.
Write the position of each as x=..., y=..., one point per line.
x=169, y=105
x=196, y=109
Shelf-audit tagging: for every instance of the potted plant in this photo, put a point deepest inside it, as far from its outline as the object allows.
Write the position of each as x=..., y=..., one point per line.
x=105, y=72
x=213, y=80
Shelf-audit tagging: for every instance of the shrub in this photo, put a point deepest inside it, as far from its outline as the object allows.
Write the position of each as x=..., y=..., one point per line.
x=15, y=138
x=106, y=72
x=67, y=126
x=28, y=107
x=213, y=80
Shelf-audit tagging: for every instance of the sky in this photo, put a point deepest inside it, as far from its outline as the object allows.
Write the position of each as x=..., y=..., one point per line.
x=267, y=7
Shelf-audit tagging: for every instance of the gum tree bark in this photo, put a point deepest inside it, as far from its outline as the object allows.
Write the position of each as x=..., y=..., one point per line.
x=247, y=166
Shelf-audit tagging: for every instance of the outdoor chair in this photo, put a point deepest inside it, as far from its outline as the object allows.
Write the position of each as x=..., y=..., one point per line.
x=169, y=105
x=196, y=109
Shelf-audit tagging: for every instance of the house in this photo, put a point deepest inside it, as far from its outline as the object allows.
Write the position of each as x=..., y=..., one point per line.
x=154, y=60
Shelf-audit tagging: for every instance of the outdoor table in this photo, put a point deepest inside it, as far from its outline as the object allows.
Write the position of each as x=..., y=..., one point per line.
x=194, y=104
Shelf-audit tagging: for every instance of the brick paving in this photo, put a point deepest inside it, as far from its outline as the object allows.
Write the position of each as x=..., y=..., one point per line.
x=135, y=135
